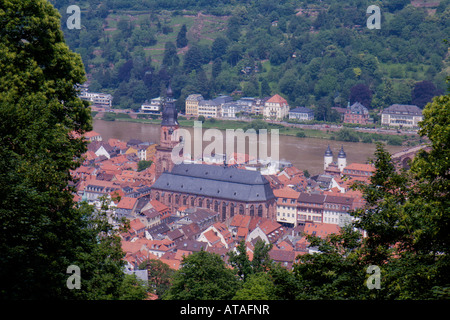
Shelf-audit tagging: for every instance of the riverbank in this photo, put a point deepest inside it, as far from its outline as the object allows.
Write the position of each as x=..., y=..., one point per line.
x=364, y=135
x=303, y=153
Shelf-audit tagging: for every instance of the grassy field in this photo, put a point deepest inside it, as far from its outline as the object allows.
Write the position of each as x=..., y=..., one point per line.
x=202, y=29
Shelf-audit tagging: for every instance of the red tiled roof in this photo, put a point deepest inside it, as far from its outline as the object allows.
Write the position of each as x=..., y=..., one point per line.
x=127, y=203
x=277, y=99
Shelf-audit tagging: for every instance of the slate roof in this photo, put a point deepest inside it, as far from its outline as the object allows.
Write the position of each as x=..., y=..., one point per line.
x=403, y=109
x=358, y=108
x=301, y=110
x=216, y=182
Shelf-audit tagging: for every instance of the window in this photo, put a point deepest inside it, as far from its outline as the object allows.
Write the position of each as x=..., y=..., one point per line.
x=252, y=210
x=260, y=211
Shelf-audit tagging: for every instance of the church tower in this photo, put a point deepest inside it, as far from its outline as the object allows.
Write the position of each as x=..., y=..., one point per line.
x=167, y=138
x=327, y=158
x=342, y=159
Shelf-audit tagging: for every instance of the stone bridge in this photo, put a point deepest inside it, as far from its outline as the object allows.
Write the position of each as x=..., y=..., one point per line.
x=402, y=159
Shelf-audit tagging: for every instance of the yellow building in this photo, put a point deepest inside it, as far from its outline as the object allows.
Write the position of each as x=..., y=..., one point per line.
x=192, y=104
x=286, y=205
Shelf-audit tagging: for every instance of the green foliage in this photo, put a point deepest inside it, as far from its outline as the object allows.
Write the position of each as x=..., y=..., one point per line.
x=202, y=276
x=144, y=164
x=159, y=275
x=132, y=288
x=304, y=57
x=259, y=286
x=43, y=230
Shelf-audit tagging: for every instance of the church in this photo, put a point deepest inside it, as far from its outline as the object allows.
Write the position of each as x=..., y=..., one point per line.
x=225, y=190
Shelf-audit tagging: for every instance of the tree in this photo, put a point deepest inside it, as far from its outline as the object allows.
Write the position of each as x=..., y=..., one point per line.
x=261, y=261
x=170, y=55
x=144, y=164
x=202, y=276
x=43, y=230
x=422, y=93
x=362, y=94
x=258, y=287
x=219, y=47
x=240, y=261
x=336, y=272
x=182, y=41
x=159, y=275
x=193, y=59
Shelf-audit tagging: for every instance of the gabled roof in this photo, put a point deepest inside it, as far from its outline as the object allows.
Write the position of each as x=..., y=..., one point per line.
x=127, y=203
x=321, y=229
x=360, y=167
x=216, y=181
x=403, y=109
x=286, y=192
x=301, y=110
x=277, y=99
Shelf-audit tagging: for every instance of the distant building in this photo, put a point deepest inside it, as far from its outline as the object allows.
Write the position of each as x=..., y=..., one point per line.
x=302, y=114
x=356, y=113
x=229, y=110
x=97, y=99
x=154, y=106
x=286, y=205
x=400, y=115
x=336, y=208
x=359, y=170
x=209, y=109
x=191, y=104
x=310, y=208
x=276, y=108
x=331, y=167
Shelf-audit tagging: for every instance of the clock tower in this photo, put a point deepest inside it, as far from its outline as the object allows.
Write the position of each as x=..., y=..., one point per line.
x=167, y=139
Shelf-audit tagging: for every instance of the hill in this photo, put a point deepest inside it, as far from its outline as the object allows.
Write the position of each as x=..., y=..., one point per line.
x=313, y=53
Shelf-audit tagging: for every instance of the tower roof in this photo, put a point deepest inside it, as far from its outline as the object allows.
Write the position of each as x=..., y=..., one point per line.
x=342, y=153
x=328, y=152
x=169, y=113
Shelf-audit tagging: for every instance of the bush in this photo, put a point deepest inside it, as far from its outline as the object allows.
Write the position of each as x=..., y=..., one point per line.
x=395, y=141
x=109, y=116
x=300, y=134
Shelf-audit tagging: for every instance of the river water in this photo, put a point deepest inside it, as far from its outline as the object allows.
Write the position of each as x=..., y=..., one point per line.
x=303, y=153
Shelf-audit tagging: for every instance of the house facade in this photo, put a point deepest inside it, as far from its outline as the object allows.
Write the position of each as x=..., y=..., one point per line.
x=209, y=109
x=276, y=108
x=301, y=114
x=191, y=104
x=402, y=116
x=356, y=113
x=310, y=208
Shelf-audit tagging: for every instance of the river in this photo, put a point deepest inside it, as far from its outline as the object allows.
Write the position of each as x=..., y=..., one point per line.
x=303, y=153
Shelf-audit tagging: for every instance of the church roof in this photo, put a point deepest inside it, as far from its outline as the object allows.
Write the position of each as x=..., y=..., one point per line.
x=169, y=113
x=328, y=152
x=216, y=182
x=342, y=153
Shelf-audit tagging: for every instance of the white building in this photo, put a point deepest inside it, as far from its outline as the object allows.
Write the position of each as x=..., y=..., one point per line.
x=154, y=106
x=276, y=108
x=97, y=99
x=209, y=109
x=301, y=114
x=400, y=115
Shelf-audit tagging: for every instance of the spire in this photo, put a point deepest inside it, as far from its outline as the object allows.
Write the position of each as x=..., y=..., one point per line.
x=328, y=152
x=342, y=153
x=169, y=112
